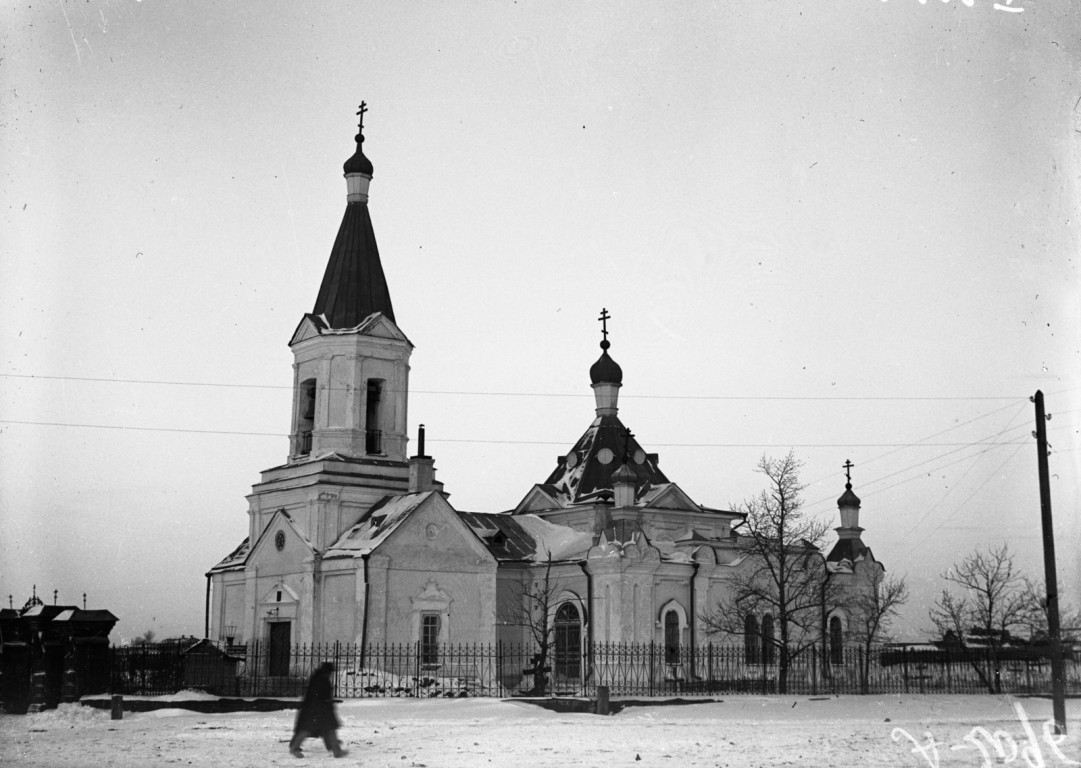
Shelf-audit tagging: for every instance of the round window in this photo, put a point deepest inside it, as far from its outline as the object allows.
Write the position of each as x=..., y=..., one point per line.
x=279, y=540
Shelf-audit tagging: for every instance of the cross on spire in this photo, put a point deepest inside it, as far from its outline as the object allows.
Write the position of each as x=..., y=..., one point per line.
x=360, y=114
x=604, y=327
x=848, y=471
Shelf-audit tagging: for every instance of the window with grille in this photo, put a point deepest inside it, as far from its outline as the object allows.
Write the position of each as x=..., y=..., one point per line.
x=837, y=641
x=767, y=639
x=750, y=640
x=429, y=638
x=671, y=638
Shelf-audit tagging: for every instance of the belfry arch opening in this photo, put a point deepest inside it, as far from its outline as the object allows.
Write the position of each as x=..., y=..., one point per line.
x=305, y=415
x=373, y=421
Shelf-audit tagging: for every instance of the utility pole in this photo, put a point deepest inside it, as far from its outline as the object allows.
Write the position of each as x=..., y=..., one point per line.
x=1058, y=672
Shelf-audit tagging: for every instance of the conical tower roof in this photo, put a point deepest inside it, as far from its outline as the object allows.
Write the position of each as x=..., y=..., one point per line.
x=354, y=285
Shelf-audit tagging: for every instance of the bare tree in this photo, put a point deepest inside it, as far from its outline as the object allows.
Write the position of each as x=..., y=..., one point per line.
x=1035, y=597
x=784, y=575
x=872, y=608
x=529, y=605
x=994, y=600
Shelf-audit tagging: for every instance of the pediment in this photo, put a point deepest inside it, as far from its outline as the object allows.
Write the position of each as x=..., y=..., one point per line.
x=673, y=497
x=376, y=325
x=309, y=327
x=381, y=326
x=290, y=539
x=279, y=594
x=537, y=500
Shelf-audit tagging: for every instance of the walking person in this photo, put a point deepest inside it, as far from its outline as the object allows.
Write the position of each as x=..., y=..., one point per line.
x=316, y=716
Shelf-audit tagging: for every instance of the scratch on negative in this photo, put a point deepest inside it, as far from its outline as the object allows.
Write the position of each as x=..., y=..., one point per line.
x=68, y=21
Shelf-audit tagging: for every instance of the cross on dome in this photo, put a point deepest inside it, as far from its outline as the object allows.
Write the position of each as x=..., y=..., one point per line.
x=605, y=344
x=848, y=472
x=360, y=114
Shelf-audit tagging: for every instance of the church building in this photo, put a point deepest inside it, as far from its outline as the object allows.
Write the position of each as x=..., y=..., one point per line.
x=353, y=540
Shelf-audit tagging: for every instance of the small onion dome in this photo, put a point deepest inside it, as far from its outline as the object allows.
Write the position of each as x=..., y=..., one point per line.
x=358, y=163
x=624, y=475
x=848, y=499
x=605, y=370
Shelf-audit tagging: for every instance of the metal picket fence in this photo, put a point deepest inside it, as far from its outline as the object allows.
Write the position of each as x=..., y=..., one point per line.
x=627, y=669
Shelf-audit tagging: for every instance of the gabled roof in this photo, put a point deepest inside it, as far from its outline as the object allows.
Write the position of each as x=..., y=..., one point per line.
x=377, y=524
x=526, y=537
x=669, y=496
x=234, y=560
x=585, y=478
x=353, y=285
x=376, y=324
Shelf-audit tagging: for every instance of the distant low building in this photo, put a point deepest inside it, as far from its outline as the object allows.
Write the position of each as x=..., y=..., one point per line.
x=52, y=653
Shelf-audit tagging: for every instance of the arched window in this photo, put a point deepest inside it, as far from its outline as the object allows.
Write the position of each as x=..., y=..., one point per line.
x=767, y=639
x=568, y=641
x=837, y=641
x=750, y=639
x=671, y=637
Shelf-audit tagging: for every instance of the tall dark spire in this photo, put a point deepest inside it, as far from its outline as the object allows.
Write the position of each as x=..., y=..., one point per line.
x=353, y=285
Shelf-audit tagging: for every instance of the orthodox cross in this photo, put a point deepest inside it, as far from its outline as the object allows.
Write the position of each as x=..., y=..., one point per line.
x=360, y=114
x=848, y=470
x=604, y=322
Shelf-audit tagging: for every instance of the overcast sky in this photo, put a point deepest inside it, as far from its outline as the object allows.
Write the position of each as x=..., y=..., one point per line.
x=845, y=228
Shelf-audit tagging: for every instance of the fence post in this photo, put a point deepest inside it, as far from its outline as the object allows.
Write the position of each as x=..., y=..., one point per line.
x=337, y=668
x=904, y=664
x=949, y=672
x=650, y=667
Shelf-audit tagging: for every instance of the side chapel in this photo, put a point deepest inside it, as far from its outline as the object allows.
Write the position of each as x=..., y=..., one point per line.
x=352, y=540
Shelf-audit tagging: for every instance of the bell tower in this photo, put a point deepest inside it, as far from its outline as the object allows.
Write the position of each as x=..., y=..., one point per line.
x=351, y=361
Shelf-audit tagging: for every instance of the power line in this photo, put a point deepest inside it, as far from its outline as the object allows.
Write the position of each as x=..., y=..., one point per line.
x=502, y=442
x=960, y=506
x=139, y=429
x=469, y=393
x=990, y=441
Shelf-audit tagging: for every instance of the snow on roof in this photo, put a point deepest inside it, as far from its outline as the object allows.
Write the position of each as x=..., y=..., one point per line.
x=234, y=559
x=376, y=525
x=585, y=478
x=526, y=537
x=558, y=540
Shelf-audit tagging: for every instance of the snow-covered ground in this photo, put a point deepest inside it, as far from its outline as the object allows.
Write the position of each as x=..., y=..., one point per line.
x=441, y=733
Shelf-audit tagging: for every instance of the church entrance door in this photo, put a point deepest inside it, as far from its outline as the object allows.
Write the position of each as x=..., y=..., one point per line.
x=278, y=652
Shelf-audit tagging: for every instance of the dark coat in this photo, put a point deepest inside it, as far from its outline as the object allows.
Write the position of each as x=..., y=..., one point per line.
x=316, y=714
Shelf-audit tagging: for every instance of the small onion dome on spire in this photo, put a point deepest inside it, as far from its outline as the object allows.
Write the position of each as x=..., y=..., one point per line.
x=848, y=498
x=358, y=163
x=606, y=375
x=605, y=370
x=624, y=475
x=849, y=507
